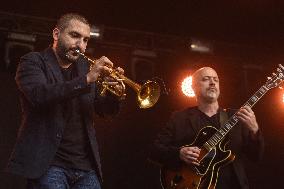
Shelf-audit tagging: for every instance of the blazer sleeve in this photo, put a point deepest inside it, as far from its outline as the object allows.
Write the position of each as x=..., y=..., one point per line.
x=107, y=105
x=32, y=81
x=253, y=145
x=165, y=151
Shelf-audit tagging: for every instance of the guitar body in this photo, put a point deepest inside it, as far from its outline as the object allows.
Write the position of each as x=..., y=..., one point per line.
x=205, y=175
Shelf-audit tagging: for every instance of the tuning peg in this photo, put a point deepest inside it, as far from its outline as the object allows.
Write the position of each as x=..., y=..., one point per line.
x=268, y=78
x=281, y=66
x=274, y=74
x=280, y=88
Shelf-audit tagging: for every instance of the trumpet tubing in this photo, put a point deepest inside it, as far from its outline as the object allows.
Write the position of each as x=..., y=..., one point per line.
x=147, y=94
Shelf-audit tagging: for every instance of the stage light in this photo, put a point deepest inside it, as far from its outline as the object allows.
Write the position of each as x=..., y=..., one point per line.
x=186, y=87
x=200, y=46
x=15, y=46
x=96, y=32
x=21, y=37
x=13, y=52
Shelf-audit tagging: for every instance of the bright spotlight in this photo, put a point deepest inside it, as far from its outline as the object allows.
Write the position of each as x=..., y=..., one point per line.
x=200, y=46
x=96, y=32
x=186, y=87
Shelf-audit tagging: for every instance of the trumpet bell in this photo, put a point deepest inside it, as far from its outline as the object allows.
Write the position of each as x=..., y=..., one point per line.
x=148, y=94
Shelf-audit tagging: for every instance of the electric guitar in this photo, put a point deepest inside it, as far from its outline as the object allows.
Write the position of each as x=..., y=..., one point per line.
x=213, y=154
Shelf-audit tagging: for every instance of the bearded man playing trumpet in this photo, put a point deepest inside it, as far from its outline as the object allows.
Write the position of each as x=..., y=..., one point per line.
x=56, y=145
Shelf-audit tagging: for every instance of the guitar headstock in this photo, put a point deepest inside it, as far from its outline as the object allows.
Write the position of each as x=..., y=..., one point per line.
x=276, y=79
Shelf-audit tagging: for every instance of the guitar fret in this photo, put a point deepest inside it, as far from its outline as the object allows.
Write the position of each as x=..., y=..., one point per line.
x=222, y=132
x=229, y=126
x=248, y=104
x=232, y=121
x=252, y=101
x=214, y=140
x=265, y=87
x=218, y=135
x=226, y=127
x=229, y=123
x=210, y=145
x=260, y=93
x=210, y=142
x=235, y=118
x=262, y=90
x=217, y=138
x=206, y=146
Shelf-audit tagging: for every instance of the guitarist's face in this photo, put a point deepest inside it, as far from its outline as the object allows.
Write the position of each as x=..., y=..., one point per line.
x=206, y=84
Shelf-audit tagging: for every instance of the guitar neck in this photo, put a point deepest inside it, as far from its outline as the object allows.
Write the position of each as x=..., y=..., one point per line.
x=224, y=130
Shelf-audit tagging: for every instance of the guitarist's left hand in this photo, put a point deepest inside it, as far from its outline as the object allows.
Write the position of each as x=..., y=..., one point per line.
x=246, y=115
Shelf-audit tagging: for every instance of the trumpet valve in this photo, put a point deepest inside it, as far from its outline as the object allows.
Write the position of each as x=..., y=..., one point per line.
x=103, y=91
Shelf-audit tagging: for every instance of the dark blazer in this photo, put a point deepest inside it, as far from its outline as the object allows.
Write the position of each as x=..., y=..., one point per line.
x=42, y=92
x=182, y=129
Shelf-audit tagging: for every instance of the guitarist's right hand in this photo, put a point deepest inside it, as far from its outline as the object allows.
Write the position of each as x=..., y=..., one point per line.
x=189, y=155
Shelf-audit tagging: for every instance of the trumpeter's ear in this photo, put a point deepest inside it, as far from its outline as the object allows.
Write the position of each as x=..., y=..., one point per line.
x=56, y=33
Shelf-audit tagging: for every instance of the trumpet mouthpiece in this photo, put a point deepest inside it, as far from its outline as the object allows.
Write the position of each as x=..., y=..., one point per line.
x=78, y=51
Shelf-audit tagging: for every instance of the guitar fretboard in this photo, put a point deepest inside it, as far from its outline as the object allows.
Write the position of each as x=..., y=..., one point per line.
x=224, y=130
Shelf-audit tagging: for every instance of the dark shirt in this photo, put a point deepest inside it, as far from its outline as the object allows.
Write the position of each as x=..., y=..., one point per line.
x=227, y=177
x=74, y=150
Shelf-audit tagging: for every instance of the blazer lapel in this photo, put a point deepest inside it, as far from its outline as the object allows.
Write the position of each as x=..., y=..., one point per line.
x=82, y=66
x=86, y=99
x=51, y=61
x=194, y=119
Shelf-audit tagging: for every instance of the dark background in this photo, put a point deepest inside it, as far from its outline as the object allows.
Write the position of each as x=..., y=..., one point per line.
x=246, y=38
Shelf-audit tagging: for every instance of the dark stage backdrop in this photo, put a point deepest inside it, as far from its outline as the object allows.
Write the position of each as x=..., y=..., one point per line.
x=124, y=140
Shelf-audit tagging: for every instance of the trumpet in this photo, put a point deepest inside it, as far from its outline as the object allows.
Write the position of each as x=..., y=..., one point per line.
x=147, y=93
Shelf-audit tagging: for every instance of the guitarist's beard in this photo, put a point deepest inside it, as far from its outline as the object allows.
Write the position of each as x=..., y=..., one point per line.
x=211, y=95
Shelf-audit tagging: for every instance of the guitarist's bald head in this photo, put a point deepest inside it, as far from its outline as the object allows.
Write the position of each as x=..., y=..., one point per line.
x=205, y=83
x=198, y=74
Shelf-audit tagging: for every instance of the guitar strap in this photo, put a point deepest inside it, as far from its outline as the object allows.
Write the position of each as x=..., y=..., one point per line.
x=223, y=117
